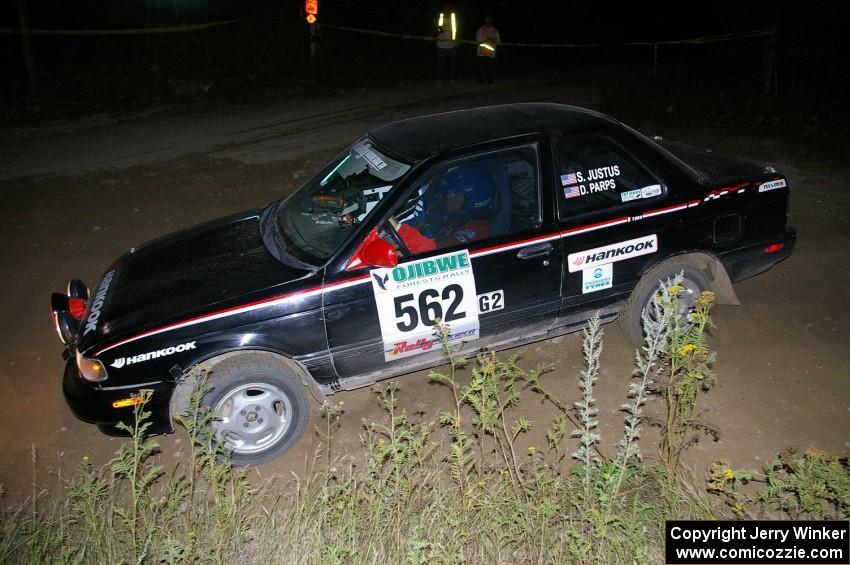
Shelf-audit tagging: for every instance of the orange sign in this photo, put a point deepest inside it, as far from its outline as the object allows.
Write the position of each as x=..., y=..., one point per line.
x=311, y=7
x=311, y=19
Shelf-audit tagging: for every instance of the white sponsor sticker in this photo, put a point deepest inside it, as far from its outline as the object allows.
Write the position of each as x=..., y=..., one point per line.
x=597, y=278
x=772, y=185
x=613, y=253
x=491, y=301
x=120, y=362
x=630, y=195
x=364, y=149
x=650, y=191
x=412, y=295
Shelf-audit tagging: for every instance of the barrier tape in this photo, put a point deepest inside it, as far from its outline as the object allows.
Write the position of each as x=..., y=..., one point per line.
x=130, y=31
x=692, y=41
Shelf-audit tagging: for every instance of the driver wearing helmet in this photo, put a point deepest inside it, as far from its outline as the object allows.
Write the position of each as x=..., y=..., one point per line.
x=463, y=215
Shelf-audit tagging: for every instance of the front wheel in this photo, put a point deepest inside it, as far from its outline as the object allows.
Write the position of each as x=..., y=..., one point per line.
x=693, y=283
x=259, y=409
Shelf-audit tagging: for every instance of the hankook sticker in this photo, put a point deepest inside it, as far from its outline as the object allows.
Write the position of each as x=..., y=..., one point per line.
x=412, y=296
x=613, y=253
x=97, y=302
x=120, y=362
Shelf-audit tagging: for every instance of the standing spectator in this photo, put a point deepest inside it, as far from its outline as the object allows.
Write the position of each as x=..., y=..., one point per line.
x=446, y=46
x=488, y=39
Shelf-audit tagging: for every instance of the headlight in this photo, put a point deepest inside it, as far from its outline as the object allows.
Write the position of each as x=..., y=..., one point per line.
x=91, y=370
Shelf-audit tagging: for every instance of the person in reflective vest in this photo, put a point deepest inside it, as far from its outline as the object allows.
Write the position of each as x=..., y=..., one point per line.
x=488, y=39
x=446, y=46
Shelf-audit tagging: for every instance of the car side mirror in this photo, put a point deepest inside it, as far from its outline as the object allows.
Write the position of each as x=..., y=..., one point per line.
x=379, y=253
x=373, y=252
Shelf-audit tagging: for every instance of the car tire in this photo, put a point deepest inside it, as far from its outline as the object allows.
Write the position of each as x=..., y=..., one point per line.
x=694, y=282
x=259, y=408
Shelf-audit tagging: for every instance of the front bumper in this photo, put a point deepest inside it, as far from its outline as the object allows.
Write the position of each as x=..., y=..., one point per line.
x=93, y=403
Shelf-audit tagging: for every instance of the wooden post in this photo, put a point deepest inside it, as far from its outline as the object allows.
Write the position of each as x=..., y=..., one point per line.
x=26, y=44
x=771, y=79
x=314, y=47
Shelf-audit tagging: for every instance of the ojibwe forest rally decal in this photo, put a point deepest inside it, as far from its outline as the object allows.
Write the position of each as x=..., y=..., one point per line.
x=410, y=297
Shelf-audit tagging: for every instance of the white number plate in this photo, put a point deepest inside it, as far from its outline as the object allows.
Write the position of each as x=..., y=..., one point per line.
x=412, y=295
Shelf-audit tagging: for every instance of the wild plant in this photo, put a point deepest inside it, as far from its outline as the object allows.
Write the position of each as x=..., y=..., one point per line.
x=132, y=462
x=674, y=363
x=812, y=483
x=800, y=485
x=586, y=411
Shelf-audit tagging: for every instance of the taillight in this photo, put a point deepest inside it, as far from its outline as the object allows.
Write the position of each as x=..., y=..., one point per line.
x=77, y=307
x=773, y=247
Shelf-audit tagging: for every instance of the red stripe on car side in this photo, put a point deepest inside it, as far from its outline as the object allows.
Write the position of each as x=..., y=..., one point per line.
x=364, y=278
x=233, y=310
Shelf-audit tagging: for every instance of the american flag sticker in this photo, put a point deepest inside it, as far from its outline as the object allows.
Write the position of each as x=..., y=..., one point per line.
x=571, y=191
x=568, y=179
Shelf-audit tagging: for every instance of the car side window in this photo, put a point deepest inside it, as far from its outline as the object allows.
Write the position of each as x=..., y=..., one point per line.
x=595, y=173
x=471, y=199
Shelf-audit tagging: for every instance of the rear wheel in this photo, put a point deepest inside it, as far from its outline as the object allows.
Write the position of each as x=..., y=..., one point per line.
x=260, y=409
x=694, y=282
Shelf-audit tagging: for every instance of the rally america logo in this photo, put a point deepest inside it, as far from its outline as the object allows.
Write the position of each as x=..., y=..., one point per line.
x=612, y=253
x=141, y=358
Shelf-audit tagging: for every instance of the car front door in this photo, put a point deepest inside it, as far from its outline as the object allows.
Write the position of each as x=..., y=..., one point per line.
x=493, y=276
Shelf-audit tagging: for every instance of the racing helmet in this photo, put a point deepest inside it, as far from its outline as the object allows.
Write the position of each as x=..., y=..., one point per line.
x=477, y=185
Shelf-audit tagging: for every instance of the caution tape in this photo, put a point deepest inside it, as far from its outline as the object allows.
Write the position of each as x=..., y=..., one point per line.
x=692, y=41
x=708, y=39
x=130, y=31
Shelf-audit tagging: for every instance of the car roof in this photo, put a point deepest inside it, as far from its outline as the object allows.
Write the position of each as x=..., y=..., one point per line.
x=419, y=138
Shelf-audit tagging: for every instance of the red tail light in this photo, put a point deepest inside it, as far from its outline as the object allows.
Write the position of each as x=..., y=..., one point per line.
x=773, y=247
x=77, y=307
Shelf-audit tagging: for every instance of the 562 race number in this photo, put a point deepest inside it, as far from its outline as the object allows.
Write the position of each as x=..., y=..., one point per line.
x=430, y=308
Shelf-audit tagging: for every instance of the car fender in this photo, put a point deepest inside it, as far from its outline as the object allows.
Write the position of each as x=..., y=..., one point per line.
x=187, y=380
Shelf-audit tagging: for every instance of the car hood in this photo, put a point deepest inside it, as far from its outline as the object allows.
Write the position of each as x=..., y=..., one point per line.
x=712, y=167
x=183, y=275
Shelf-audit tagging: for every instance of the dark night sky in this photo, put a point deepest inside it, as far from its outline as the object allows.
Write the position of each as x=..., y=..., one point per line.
x=587, y=20
x=270, y=39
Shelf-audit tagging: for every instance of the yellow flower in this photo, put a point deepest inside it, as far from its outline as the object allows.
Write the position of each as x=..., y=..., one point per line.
x=729, y=474
x=468, y=493
x=482, y=483
x=685, y=349
x=676, y=288
x=706, y=297
x=699, y=376
x=532, y=449
x=739, y=507
x=85, y=458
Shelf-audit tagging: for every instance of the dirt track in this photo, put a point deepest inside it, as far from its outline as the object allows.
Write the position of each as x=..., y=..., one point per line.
x=77, y=195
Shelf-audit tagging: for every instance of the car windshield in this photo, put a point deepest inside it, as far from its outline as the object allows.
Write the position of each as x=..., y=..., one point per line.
x=314, y=221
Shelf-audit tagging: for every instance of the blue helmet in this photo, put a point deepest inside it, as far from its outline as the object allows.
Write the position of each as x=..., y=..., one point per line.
x=477, y=185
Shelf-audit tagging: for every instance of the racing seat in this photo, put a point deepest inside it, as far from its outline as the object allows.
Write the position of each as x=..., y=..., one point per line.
x=502, y=217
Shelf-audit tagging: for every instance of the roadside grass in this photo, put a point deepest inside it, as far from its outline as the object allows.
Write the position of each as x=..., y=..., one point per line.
x=454, y=488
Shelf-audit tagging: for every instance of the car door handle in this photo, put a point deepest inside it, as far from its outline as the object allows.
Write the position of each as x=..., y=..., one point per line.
x=537, y=250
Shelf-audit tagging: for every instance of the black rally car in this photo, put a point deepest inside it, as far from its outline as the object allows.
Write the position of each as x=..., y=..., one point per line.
x=511, y=223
